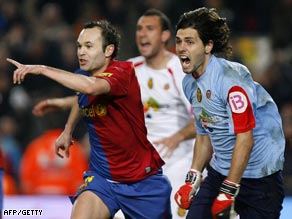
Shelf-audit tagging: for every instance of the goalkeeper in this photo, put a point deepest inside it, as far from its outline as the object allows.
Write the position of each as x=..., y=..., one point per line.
x=239, y=130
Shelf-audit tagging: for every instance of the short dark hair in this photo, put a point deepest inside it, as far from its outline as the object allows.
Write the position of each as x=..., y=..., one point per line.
x=109, y=34
x=210, y=26
x=165, y=22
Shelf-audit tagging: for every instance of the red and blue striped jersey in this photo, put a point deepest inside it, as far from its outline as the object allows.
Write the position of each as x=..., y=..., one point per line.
x=120, y=150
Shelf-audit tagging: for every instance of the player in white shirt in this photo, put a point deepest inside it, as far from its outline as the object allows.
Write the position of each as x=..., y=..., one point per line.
x=166, y=113
x=168, y=116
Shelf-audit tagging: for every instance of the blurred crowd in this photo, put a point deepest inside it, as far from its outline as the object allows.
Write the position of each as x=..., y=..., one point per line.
x=45, y=32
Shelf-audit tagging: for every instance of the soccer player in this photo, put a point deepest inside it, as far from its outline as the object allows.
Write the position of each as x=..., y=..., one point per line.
x=125, y=169
x=168, y=117
x=239, y=129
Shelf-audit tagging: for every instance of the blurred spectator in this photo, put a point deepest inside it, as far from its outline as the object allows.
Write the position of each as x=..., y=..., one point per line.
x=10, y=146
x=116, y=12
x=9, y=14
x=5, y=87
x=277, y=78
x=9, y=185
x=43, y=172
x=281, y=32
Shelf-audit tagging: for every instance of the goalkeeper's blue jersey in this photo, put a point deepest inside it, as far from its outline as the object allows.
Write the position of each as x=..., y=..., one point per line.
x=227, y=101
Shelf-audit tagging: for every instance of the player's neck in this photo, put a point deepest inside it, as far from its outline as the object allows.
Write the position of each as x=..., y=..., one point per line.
x=159, y=61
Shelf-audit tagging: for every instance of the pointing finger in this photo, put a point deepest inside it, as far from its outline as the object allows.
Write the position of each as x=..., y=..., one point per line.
x=17, y=64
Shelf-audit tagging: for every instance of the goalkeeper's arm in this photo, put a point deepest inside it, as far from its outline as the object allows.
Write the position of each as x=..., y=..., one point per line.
x=202, y=155
x=223, y=206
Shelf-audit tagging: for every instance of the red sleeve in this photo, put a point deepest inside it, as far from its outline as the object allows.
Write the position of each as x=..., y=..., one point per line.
x=242, y=113
x=119, y=75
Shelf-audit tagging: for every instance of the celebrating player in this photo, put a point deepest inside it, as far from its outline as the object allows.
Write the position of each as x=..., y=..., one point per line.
x=125, y=169
x=168, y=118
x=239, y=129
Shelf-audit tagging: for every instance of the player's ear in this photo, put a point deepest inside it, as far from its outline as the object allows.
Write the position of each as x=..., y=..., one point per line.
x=109, y=50
x=165, y=36
x=209, y=47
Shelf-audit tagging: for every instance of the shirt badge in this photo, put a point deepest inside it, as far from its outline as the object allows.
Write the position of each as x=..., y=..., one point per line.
x=166, y=87
x=150, y=83
x=199, y=95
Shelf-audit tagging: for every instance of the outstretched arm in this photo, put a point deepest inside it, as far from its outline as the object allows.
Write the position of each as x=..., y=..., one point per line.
x=52, y=105
x=84, y=84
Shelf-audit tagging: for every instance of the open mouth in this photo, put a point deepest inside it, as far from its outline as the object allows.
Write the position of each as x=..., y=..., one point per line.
x=144, y=44
x=185, y=63
x=82, y=62
x=184, y=60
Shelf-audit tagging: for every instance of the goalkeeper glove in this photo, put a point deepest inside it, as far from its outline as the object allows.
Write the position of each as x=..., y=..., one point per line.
x=184, y=195
x=223, y=206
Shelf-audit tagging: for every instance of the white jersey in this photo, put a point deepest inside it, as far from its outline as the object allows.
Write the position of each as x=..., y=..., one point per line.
x=165, y=106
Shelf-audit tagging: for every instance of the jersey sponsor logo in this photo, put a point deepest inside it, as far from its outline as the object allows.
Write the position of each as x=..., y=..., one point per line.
x=238, y=102
x=94, y=110
x=206, y=121
x=199, y=95
x=151, y=103
x=208, y=94
x=105, y=74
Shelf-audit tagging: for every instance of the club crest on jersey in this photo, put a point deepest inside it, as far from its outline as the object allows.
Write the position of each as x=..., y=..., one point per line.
x=86, y=181
x=199, y=95
x=237, y=101
x=208, y=94
x=150, y=83
x=166, y=87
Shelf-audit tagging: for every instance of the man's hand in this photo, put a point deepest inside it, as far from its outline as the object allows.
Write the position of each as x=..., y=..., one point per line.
x=44, y=107
x=63, y=142
x=184, y=195
x=23, y=70
x=223, y=206
x=166, y=146
x=52, y=105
